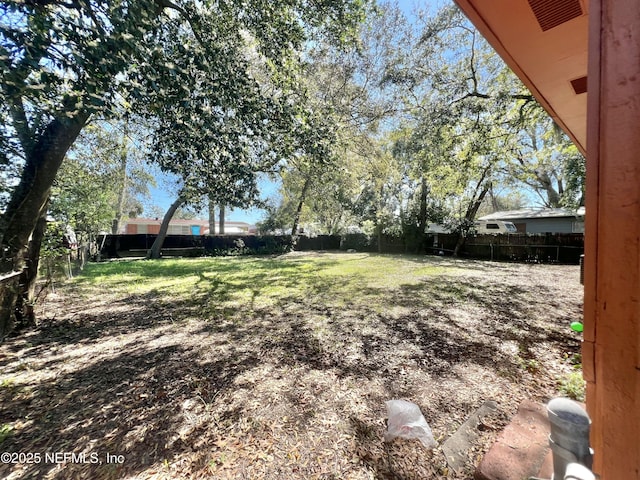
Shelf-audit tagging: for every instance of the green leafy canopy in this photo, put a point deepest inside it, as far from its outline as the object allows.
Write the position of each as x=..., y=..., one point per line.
x=60, y=59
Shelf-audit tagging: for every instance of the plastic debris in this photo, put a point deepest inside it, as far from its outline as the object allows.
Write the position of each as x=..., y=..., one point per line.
x=405, y=420
x=577, y=326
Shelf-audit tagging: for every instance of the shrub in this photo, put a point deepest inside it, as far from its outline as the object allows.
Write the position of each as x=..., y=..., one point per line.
x=356, y=241
x=573, y=386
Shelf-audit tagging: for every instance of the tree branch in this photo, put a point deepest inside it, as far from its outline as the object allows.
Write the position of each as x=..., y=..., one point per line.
x=172, y=6
x=45, y=3
x=21, y=123
x=471, y=94
x=472, y=65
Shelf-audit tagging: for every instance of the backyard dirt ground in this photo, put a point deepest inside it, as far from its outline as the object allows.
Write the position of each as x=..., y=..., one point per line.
x=143, y=385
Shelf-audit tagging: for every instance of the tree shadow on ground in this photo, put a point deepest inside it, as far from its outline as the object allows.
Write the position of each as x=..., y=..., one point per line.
x=137, y=387
x=509, y=311
x=133, y=404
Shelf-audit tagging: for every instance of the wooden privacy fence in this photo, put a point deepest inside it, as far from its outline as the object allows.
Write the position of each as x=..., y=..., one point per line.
x=540, y=248
x=549, y=248
x=119, y=246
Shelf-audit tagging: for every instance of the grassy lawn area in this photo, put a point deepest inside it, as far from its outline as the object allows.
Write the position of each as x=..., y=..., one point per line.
x=246, y=367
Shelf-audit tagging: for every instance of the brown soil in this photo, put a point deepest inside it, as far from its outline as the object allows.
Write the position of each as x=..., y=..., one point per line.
x=292, y=392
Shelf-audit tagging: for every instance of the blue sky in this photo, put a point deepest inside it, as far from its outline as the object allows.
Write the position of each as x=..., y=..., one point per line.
x=163, y=195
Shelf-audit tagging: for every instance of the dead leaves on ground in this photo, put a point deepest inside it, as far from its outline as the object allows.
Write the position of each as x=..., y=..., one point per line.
x=293, y=391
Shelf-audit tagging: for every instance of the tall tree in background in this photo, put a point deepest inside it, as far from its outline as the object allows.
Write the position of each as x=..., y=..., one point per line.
x=62, y=62
x=546, y=161
x=222, y=219
x=261, y=119
x=352, y=106
x=99, y=179
x=452, y=138
x=463, y=127
x=472, y=128
x=96, y=185
x=114, y=153
x=212, y=214
x=219, y=148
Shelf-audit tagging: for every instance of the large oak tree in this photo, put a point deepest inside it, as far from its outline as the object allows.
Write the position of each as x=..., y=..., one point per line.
x=63, y=61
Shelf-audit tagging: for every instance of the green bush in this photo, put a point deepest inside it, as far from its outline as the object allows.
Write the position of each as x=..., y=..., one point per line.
x=355, y=241
x=573, y=386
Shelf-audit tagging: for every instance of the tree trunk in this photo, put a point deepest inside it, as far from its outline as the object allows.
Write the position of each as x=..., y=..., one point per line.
x=553, y=197
x=212, y=216
x=303, y=197
x=41, y=167
x=25, y=315
x=462, y=238
x=154, y=251
x=472, y=210
x=422, y=221
x=221, y=226
x=494, y=201
x=122, y=195
x=43, y=160
x=379, y=225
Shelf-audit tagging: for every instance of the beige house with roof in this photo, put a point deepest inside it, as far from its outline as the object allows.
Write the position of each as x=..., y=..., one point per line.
x=542, y=220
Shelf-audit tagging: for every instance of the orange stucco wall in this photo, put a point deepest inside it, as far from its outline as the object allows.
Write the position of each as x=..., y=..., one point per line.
x=611, y=353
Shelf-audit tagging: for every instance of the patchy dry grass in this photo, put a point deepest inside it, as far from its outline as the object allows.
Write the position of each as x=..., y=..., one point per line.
x=279, y=367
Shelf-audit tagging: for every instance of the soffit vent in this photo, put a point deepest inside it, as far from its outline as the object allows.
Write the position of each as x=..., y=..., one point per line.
x=551, y=13
x=579, y=85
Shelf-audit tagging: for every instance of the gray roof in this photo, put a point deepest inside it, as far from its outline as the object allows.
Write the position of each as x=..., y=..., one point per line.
x=531, y=213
